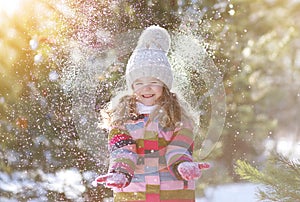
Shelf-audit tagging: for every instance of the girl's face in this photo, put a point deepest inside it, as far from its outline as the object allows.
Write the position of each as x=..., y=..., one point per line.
x=148, y=90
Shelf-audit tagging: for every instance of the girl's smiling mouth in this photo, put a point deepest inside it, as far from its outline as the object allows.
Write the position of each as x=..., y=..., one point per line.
x=148, y=95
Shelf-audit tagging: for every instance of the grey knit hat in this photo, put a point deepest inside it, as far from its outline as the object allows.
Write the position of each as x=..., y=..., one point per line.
x=149, y=59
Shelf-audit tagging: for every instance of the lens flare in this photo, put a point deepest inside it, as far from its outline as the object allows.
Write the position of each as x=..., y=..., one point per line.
x=9, y=7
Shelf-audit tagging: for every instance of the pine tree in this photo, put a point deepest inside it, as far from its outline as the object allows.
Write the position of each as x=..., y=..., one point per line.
x=280, y=177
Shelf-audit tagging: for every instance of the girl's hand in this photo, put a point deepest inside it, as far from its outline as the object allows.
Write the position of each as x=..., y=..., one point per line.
x=112, y=180
x=191, y=170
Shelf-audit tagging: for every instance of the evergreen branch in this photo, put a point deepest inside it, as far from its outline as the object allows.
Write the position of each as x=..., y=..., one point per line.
x=280, y=177
x=290, y=164
x=247, y=172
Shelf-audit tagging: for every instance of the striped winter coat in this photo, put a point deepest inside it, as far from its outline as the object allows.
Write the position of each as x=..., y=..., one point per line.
x=149, y=157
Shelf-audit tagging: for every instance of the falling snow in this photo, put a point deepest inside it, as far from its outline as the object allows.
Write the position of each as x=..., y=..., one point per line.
x=54, y=136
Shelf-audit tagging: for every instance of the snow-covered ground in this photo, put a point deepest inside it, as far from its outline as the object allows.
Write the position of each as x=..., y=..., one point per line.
x=67, y=181
x=245, y=192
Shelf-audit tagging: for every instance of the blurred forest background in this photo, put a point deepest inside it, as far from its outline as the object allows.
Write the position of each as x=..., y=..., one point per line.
x=255, y=45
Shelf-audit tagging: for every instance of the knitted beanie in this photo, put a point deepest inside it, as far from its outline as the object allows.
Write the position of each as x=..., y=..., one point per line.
x=149, y=59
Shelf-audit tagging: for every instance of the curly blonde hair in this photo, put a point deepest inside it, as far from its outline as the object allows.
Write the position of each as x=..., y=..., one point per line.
x=169, y=113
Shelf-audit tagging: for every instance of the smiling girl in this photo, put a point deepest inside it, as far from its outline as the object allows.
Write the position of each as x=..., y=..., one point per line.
x=151, y=136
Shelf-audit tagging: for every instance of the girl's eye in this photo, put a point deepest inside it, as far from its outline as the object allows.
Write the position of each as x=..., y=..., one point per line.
x=156, y=83
x=138, y=84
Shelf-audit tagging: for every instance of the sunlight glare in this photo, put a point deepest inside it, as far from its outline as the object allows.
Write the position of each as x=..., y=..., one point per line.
x=9, y=7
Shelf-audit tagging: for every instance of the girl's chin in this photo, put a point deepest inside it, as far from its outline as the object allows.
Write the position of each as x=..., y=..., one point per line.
x=147, y=103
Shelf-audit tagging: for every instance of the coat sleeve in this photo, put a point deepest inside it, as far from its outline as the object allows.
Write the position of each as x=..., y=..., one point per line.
x=180, y=148
x=122, y=150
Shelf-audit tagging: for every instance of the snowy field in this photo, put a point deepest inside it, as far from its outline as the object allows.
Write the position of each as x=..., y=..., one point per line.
x=244, y=192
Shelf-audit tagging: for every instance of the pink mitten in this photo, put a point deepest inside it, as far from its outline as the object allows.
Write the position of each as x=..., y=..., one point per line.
x=112, y=180
x=191, y=170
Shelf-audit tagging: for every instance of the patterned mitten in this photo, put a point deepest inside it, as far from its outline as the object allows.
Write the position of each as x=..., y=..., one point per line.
x=112, y=180
x=191, y=170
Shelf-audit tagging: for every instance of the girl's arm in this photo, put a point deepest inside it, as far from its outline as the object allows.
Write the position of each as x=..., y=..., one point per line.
x=180, y=148
x=123, y=155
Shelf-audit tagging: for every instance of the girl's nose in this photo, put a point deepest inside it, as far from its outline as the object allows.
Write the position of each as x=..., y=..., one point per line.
x=147, y=87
